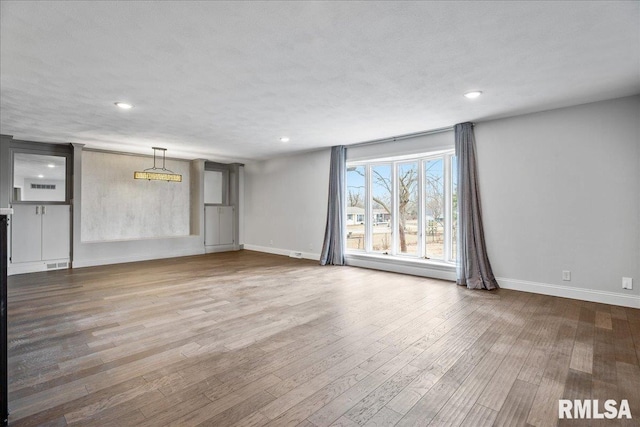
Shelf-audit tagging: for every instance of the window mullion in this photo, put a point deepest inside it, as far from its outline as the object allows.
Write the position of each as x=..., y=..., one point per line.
x=368, y=210
x=447, y=207
x=421, y=210
x=395, y=235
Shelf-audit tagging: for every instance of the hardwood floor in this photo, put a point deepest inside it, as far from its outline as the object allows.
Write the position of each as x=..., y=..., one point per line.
x=250, y=339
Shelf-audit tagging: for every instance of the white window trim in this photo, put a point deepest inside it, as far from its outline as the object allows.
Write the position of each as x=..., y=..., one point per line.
x=394, y=258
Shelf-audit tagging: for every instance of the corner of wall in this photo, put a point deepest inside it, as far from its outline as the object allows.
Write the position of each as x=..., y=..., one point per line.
x=196, y=225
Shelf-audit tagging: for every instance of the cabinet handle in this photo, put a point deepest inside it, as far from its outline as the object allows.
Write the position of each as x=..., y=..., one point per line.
x=37, y=210
x=43, y=210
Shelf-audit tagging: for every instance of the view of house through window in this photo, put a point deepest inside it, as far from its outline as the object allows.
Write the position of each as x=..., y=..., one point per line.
x=355, y=207
x=404, y=208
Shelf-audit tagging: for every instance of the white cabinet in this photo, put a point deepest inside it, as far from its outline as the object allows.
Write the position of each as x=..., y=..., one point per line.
x=26, y=234
x=218, y=225
x=40, y=233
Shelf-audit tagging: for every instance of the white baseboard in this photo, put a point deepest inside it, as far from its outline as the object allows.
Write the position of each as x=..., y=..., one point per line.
x=136, y=258
x=36, y=266
x=604, y=297
x=219, y=248
x=277, y=251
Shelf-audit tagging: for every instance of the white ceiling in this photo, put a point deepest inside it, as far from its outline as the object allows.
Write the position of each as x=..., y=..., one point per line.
x=225, y=80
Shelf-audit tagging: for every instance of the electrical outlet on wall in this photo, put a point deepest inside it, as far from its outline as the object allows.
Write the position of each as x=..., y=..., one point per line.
x=566, y=275
x=627, y=283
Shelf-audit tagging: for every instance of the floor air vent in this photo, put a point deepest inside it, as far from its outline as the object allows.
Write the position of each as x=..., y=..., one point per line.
x=54, y=265
x=63, y=264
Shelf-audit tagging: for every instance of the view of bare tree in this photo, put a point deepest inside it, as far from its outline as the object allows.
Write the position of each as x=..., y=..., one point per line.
x=355, y=198
x=407, y=184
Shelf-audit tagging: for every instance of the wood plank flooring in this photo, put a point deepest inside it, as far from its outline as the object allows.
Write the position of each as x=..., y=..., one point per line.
x=250, y=339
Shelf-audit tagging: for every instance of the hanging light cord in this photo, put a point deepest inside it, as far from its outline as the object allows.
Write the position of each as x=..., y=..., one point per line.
x=154, y=168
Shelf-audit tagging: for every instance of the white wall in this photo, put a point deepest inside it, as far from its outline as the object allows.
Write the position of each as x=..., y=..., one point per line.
x=285, y=204
x=418, y=145
x=40, y=195
x=561, y=191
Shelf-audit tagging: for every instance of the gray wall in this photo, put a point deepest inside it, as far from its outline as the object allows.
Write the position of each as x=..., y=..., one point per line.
x=561, y=191
x=286, y=204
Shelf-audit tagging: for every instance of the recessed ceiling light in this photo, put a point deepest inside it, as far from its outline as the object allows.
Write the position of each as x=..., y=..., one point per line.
x=124, y=105
x=40, y=176
x=284, y=139
x=51, y=165
x=473, y=94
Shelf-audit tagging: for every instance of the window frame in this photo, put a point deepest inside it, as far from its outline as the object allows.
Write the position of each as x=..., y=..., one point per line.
x=447, y=157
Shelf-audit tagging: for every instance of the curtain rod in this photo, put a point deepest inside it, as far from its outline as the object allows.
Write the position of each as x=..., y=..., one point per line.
x=400, y=137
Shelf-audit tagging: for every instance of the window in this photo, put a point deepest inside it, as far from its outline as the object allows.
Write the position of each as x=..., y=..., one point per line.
x=355, y=207
x=434, y=203
x=382, y=208
x=408, y=208
x=403, y=208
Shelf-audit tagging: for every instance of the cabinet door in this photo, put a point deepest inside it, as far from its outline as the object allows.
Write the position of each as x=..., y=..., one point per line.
x=226, y=225
x=56, y=231
x=26, y=233
x=211, y=226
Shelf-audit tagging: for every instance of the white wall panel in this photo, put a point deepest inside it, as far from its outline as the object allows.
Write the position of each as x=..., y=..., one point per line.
x=117, y=207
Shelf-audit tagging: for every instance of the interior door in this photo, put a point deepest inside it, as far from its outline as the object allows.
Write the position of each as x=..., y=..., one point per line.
x=26, y=233
x=56, y=231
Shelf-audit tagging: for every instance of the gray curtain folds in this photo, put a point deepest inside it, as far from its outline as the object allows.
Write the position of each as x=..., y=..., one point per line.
x=334, y=235
x=473, y=266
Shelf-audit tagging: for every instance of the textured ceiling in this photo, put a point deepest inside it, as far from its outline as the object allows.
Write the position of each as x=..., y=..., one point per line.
x=225, y=80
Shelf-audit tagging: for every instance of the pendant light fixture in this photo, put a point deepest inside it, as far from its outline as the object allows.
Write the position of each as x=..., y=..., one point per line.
x=158, y=174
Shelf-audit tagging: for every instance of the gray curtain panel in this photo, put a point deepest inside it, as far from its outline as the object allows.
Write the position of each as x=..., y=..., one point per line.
x=473, y=266
x=334, y=234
